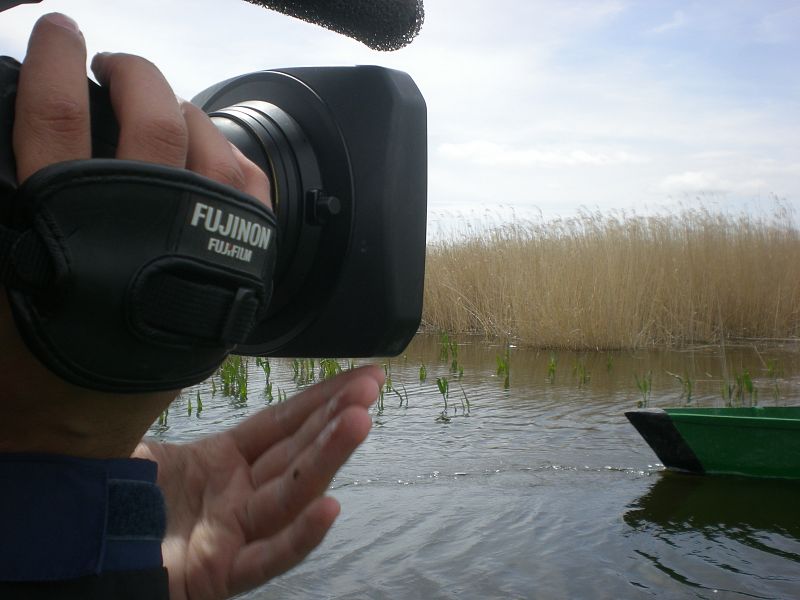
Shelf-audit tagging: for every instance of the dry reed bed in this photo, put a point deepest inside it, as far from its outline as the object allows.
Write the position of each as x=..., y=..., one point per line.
x=620, y=281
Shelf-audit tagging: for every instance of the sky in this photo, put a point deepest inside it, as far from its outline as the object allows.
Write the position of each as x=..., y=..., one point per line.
x=537, y=108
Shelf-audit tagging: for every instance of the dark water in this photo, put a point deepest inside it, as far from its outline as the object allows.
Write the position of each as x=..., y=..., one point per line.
x=543, y=490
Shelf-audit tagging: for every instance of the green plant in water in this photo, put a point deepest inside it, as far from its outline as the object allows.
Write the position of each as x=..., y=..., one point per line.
x=381, y=394
x=444, y=346
x=745, y=389
x=199, y=403
x=609, y=363
x=268, y=392
x=582, y=374
x=328, y=367
x=423, y=372
x=403, y=397
x=455, y=365
x=773, y=372
x=303, y=371
x=444, y=390
x=645, y=386
x=687, y=385
x=552, y=365
x=448, y=352
x=233, y=375
x=162, y=419
x=388, y=386
x=504, y=366
x=727, y=388
x=465, y=405
x=265, y=366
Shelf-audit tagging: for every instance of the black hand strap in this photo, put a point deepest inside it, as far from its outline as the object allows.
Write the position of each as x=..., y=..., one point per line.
x=129, y=277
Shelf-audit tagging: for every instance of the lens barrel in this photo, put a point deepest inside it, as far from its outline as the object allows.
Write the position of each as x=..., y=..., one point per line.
x=346, y=152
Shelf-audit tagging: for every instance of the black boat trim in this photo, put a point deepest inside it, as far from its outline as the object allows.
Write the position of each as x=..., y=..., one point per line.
x=659, y=431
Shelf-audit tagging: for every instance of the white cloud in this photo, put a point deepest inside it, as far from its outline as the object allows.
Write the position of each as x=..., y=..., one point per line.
x=493, y=154
x=677, y=21
x=780, y=26
x=712, y=182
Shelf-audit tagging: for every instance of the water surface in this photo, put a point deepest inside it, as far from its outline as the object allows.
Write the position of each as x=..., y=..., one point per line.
x=542, y=490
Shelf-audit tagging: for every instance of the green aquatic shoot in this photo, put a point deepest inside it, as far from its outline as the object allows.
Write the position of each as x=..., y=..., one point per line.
x=233, y=375
x=381, y=395
x=199, y=404
x=423, y=372
x=303, y=371
x=444, y=390
x=727, y=388
x=645, y=387
x=687, y=385
x=265, y=366
x=328, y=368
x=504, y=366
x=582, y=374
x=444, y=346
x=388, y=386
x=163, y=418
x=465, y=405
x=745, y=389
x=455, y=365
x=774, y=371
x=268, y=392
x=552, y=365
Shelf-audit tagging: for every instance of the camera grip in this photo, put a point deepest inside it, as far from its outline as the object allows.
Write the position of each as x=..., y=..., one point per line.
x=105, y=131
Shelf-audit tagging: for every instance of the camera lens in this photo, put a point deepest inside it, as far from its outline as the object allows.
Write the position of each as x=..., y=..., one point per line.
x=305, y=159
x=273, y=140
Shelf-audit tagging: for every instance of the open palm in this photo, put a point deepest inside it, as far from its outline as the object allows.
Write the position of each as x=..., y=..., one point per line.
x=248, y=504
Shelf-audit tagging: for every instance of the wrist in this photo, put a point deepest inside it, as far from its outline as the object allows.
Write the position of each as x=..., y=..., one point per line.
x=64, y=517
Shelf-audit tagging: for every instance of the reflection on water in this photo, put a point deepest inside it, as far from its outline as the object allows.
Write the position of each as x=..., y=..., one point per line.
x=679, y=502
x=739, y=536
x=542, y=490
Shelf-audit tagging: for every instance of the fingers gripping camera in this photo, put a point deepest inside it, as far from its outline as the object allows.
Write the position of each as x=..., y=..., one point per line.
x=177, y=271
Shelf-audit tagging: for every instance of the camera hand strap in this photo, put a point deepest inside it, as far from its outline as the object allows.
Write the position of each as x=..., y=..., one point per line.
x=127, y=276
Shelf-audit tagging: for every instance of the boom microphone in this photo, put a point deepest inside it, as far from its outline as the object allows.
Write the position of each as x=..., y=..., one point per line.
x=379, y=24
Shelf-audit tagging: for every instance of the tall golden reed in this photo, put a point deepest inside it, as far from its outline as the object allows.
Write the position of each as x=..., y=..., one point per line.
x=620, y=281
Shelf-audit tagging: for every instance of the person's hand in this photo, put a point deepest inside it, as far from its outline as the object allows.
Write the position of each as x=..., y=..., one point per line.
x=52, y=124
x=248, y=504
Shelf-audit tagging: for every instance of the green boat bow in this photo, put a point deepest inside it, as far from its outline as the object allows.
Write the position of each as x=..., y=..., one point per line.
x=757, y=441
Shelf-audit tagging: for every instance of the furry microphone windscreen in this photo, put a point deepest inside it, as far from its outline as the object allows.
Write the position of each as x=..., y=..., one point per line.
x=380, y=24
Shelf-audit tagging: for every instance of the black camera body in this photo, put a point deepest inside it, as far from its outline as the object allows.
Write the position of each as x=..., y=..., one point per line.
x=345, y=149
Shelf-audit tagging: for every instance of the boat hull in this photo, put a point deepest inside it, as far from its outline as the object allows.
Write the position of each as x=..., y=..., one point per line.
x=757, y=441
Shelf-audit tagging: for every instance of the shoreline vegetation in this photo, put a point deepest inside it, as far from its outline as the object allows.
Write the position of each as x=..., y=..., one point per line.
x=620, y=281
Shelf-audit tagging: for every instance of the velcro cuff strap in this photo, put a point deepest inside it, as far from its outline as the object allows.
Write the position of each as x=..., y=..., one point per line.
x=204, y=311
x=63, y=517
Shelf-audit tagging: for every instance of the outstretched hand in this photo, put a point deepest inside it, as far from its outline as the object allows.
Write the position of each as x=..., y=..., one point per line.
x=248, y=504
x=244, y=505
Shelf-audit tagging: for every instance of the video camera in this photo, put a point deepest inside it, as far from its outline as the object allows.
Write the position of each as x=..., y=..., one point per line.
x=130, y=277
